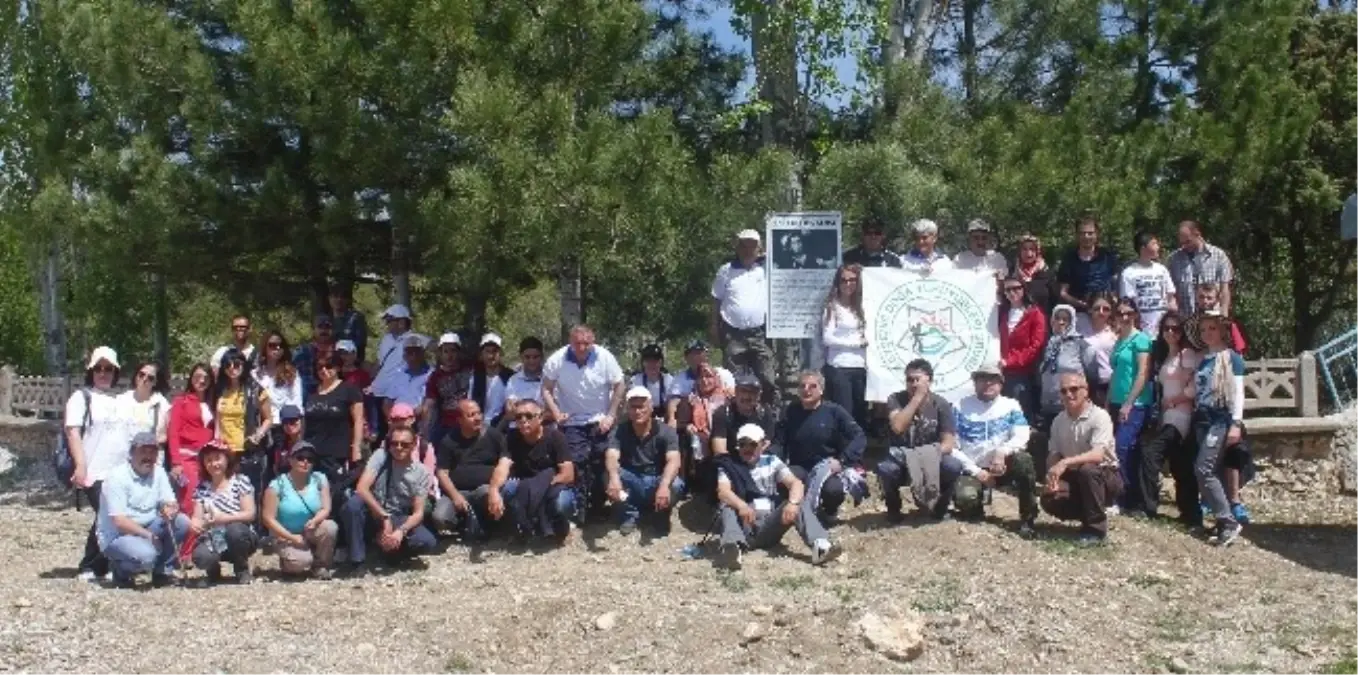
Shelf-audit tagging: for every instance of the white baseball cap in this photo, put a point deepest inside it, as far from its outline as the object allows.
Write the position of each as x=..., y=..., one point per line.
x=638, y=392
x=748, y=234
x=750, y=432
x=492, y=339
x=103, y=354
x=450, y=339
x=346, y=346
x=396, y=312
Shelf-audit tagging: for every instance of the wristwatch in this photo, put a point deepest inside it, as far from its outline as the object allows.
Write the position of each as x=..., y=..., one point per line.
x=792, y=503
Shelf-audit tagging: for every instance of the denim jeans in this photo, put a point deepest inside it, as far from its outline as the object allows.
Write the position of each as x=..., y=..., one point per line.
x=641, y=490
x=900, y=462
x=241, y=542
x=360, y=525
x=474, y=523
x=129, y=554
x=587, y=447
x=1211, y=435
x=848, y=387
x=1127, y=438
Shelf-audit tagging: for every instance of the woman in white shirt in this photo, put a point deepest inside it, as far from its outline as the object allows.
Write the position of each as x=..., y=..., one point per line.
x=277, y=375
x=144, y=406
x=845, y=343
x=1102, y=338
x=1174, y=361
x=97, y=434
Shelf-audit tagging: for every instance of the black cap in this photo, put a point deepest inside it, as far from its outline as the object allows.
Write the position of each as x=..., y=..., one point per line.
x=695, y=346
x=324, y=320
x=744, y=380
x=303, y=448
x=652, y=351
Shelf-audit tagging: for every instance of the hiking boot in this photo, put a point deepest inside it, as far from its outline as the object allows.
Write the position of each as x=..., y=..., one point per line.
x=355, y=570
x=662, y=524
x=1240, y=513
x=1025, y=529
x=895, y=517
x=127, y=583
x=627, y=527
x=729, y=557
x=1226, y=534
x=89, y=577
x=161, y=580
x=322, y=574
x=823, y=551
x=214, y=574
x=244, y=577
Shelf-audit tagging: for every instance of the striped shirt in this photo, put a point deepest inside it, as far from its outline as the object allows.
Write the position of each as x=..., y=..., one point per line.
x=228, y=500
x=1188, y=270
x=768, y=473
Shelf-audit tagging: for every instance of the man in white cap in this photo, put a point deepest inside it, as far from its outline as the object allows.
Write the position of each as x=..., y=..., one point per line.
x=752, y=511
x=992, y=437
x=740, y=299
x=399, y=323
x=489, y=377
x=642, y=464
x=408, y=385
x=981, y=255
x=925, y=257
x=448, y=384
x=139, y=524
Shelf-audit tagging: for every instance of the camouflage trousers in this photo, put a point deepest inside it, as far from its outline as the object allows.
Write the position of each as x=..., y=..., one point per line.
x=1019, y=471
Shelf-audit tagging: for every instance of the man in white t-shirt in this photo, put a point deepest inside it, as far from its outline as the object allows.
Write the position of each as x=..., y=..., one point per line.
x=740, y=302
x=1148, y=284
x=582, y=387
x=526, y=382
x=980, y=255
x=240, y=341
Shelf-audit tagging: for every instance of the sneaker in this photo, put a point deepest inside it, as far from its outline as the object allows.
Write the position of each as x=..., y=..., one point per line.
x=322, y=574
x=161, y=580
x=730, y=556
x=126, y=584
x=823, y=551
x=1025, y=530
x=355, y=570
x=1226, y=534
x=244, y=577
x=1089, y=540
x=1241, y=513
x=628, y=527
x=89, y=577
x=1206, y=510
x=1113, y=511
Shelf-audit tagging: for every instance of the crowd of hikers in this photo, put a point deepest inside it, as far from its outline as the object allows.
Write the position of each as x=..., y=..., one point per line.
x=1107, y=373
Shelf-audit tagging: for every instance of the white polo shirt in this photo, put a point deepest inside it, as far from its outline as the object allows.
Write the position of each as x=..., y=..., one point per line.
x=992, y=262
x=583, y=390
x=743, y=293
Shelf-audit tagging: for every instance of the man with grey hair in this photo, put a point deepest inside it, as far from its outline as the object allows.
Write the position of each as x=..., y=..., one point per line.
x=925, y=257
x=139, y=526
x=1082, y=475
x=824, y=446
x=981, y=255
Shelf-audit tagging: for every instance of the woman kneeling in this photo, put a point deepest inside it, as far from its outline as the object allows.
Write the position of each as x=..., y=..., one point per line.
x=297, y=512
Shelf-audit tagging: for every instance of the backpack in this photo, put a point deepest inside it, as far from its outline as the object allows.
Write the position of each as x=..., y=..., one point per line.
x=62, y=461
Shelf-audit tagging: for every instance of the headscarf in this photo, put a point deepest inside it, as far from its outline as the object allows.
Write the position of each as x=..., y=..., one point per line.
x=1027, y=273
x=1053, y=351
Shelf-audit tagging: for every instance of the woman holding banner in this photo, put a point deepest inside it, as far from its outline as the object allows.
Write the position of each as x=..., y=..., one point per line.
x=844, y=339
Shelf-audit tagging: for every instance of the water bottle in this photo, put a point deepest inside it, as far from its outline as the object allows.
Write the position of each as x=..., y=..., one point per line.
x=216, y=535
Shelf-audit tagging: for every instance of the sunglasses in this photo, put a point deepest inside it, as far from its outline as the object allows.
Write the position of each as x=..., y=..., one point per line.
x=873, y=233
x=1171, y=328
x=143, y=375
x=103, y=369
x=304, y=458
x=246, y=327
x=275, y=345
x=1127, y=312
x=748, y=444
x=1013, y=289
x=295, y=420
x=639, y=406
x=526, y=416
x=1071, y=391
x=402, y=444
x=235, y=364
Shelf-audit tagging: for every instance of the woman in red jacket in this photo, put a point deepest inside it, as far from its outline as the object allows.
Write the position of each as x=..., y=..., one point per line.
x=1023, y=334
x=190, y=429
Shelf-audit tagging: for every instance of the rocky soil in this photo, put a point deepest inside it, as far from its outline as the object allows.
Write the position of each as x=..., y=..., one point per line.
x=912, y=598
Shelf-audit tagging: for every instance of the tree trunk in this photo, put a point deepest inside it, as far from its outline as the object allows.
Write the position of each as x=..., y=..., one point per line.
x=569, y=285
x=773, y=42
x=474, y=317
x=160, y=338
x=400, y=267
x=1145, y=78
x=53, y=321
x=968, y=48
x=923, y=23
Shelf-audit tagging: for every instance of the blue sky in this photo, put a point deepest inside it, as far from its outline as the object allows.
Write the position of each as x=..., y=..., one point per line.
x=718, y=21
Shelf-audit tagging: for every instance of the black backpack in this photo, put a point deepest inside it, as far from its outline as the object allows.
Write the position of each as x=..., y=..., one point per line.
x=62, y=461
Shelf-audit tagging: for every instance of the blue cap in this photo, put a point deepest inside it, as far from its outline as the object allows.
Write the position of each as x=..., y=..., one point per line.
x=290, y=412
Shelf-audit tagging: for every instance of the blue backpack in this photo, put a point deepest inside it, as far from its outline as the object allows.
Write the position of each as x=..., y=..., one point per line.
x=62, y=462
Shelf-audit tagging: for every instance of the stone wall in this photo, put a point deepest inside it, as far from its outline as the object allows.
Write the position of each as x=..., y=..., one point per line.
x=27, y=436
x=1306, y=455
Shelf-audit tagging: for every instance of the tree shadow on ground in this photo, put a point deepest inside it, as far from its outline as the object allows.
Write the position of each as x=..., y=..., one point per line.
x=1325, y=548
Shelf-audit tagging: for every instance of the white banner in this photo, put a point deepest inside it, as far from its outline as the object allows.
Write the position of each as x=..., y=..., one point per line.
x=948, y=318
x=803, y=255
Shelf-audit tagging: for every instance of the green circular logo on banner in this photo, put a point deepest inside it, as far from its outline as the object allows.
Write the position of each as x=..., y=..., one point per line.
x=937, y=321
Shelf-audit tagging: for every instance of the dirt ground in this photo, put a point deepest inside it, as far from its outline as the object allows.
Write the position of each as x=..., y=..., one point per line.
x=1154, y=600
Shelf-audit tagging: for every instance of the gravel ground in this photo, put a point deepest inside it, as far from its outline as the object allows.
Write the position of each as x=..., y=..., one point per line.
x=1154, y=600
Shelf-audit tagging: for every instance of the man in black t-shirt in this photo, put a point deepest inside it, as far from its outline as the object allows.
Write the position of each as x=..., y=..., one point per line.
x=923, y=437
x=467, y=456
x=534, y=477
x=642, y=463
x=745, y=409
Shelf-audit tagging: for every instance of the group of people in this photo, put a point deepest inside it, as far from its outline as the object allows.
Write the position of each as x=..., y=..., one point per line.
x=304, y=452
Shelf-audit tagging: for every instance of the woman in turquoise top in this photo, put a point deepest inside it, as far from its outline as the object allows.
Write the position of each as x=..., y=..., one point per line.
x=1218, y=417
x=1130, y=397
x=297, y=513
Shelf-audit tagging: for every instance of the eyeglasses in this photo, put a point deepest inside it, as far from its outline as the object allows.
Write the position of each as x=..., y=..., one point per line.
x=401, y=444
x=1101, y=309
x=103, y=369
x=1071, y=391
x=526, y=416
x=848, y=280
x=143, y=375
